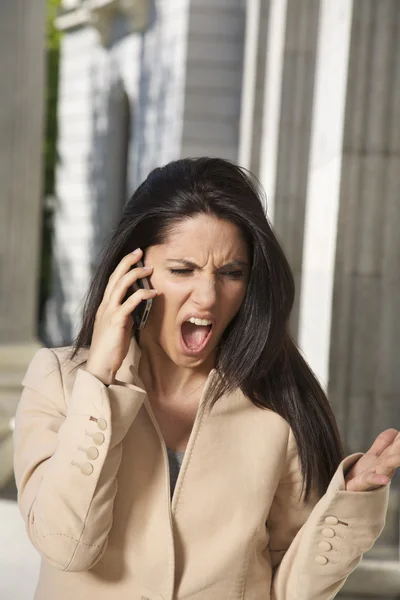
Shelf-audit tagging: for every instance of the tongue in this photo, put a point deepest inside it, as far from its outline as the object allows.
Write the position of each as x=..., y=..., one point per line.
x=194, y=335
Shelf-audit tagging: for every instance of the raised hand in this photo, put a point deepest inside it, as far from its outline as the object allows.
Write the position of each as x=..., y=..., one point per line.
x=378, y=465
x=114, y=322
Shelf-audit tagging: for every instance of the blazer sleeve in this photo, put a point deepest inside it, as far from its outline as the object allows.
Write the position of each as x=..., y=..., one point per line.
x=315, y=546
x=67, y=454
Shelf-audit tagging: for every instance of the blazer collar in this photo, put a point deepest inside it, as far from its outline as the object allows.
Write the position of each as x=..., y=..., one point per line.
x=128, y=371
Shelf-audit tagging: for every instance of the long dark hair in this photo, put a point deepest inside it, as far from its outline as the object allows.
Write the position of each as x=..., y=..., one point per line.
x=257, y=353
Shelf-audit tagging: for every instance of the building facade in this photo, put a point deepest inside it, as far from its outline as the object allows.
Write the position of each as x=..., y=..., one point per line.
x=305, y=93
x=140, y=84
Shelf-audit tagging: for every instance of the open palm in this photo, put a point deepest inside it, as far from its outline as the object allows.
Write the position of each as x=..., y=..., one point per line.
x=378, y=465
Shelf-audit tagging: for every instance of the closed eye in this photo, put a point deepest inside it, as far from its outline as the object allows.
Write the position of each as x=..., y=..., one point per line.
x=180, y=271
x=231, y=274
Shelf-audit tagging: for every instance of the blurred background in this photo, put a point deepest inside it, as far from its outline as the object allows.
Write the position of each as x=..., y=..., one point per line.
x=305, y=93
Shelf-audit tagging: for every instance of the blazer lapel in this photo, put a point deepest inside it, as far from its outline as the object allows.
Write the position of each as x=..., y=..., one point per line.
x=128, y=371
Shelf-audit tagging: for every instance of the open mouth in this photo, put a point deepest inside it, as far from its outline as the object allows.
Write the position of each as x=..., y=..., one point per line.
x=195, y=337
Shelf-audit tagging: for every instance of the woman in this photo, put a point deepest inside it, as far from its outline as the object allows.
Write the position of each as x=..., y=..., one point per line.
x=264, y=506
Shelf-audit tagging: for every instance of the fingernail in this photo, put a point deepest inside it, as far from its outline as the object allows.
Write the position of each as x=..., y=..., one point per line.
x=136, y=251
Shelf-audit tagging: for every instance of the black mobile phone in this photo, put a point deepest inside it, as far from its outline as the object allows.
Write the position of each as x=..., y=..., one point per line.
x=141, y=312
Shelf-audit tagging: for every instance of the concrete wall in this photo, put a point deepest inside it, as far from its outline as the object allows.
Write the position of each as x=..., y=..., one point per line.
x=213, y=78
x=21, y=125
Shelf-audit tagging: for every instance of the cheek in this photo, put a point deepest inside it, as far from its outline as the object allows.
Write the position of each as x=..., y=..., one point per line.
x=170, y=299
x=170, y=288
x=161, y=281
x=234, y=299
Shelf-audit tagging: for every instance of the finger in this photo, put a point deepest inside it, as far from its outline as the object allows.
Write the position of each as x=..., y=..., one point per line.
x=383, y=441
x=369, y=481
x=395, y=447
x=121, y=288
x=133, y=301
x=388, y=464
x=375, y=480
x=122, y=268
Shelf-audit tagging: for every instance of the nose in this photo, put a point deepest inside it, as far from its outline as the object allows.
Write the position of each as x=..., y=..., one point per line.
x=204, y=294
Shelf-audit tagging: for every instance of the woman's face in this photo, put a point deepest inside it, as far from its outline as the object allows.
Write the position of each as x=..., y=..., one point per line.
x=200, y=272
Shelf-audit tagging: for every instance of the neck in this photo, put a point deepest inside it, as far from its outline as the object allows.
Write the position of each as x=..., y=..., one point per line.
x=165, y=381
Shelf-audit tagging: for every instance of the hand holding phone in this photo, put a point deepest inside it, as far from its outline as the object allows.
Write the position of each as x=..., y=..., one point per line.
x=127, y=297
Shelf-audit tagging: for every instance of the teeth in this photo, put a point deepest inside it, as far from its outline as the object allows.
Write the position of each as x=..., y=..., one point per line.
x=203, y=322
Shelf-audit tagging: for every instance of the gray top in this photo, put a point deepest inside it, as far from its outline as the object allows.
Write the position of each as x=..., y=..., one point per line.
x=175, y=462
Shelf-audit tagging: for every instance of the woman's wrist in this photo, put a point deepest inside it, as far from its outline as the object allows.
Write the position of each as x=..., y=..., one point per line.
x=106, y=378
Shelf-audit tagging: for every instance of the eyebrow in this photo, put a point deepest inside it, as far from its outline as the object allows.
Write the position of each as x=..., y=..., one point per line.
x=192, y=265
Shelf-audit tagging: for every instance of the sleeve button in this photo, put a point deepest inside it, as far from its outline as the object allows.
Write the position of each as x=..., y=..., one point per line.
x=328, y=532
x=102, y=424
x=86, y=468
x=331, y=521
x=92, y=453
x=321, y=560
x=325, y=546
x=98, y=438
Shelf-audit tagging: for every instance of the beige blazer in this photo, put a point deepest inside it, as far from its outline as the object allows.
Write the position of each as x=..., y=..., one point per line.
x=93, y=481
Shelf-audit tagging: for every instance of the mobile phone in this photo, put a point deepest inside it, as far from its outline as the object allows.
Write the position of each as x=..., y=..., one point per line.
x=141, y=312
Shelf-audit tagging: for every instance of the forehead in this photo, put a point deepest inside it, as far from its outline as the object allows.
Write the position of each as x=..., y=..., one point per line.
x=206, y=234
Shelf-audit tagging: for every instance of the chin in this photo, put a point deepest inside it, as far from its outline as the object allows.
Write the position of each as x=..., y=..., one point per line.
x=187, y=362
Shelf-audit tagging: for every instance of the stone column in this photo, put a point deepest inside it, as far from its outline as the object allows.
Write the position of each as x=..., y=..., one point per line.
x=22, y=61
x=364, y=385
x=272, y=100
x=288, y=104
x=22, y=37
x=350, y=329
x=323, y=189
x=364, y=369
